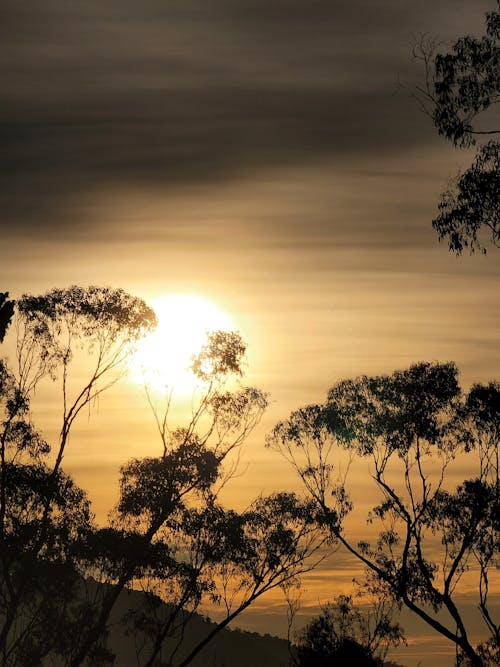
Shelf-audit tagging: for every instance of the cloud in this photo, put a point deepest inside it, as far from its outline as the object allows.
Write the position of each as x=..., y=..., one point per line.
x=203, y=135
x=112, y=94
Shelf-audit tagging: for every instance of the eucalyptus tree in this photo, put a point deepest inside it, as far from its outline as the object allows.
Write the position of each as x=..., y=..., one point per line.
x=43, y=514
x=168, y=535
x=102, y=321
x=410, y=427
x=461, y=91
x=344, y=632
x=268, y=546
x=172, y=538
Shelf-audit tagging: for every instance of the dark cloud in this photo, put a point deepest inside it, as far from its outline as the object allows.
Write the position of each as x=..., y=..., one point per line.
x=195, y=135
x=166, y=92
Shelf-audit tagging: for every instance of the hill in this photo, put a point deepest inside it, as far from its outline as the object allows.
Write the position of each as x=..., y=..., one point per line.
x=230, y=648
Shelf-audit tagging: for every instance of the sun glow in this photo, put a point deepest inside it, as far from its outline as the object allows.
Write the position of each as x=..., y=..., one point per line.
x=163, y=359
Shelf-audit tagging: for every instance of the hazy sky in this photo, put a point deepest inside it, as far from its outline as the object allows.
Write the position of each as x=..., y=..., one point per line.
x=266, y=155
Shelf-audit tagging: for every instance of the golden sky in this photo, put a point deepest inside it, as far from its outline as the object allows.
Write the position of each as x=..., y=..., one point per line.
x=260, y=155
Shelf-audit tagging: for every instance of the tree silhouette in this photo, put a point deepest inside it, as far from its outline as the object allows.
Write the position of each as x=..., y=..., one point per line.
x=317, y=651
x=6, y=313
x=411, y=426
x=348, y=634
x=462, y=86
x=43, y=515
x=61, y=575
x=182, y=546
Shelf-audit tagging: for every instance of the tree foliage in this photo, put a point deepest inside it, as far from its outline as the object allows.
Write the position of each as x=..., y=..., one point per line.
x=346, y=633
x=44, y=516
x=466, y=84
x=6, y=313
x=473, y=205
x=462, y=88
x=190, y=549
x=168, y=534
x=411, y=426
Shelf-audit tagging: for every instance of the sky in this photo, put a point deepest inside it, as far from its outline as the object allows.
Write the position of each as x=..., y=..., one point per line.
x=268, y=156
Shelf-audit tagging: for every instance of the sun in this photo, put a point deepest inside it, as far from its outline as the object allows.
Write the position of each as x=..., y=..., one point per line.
x=162, y=360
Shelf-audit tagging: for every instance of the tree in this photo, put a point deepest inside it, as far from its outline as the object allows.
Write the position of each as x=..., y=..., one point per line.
x=266, y=547
x=345, y=633
x=472, y=205
x=460, y=87
x=61, y=575
x=43, y=514
x=319, y=650
x=40, y=585
x=103, y=321
x=172, y=537
x=411, y=426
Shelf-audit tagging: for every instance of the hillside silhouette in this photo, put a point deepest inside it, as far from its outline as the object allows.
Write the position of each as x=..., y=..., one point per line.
x=230, y=648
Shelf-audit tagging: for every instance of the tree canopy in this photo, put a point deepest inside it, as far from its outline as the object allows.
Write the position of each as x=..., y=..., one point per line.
x=61, y=575
x=411, y=426
x=462, y=88
x=345, y=633
x=6, y=313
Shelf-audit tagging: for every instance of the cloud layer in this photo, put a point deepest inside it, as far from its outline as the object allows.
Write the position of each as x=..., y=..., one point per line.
x=163, y=93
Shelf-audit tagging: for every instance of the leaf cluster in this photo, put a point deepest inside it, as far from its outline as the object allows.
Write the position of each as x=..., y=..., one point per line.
x=348, y=633
x=462, y=87
x=472, y=204
x=467, y=82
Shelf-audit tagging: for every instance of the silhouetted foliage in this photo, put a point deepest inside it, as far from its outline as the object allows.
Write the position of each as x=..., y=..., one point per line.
x=6, y=313
x=221, y=355
x=44, y=516
x=462, y=85
x=466, y=83
x=344, y=652
x=168, y=504
x=473, y=204
x=346, y=634
x=168, y=534
x=411, y=426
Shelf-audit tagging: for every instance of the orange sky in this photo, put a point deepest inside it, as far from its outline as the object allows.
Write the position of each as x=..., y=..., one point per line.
x=295, y=191
x=311, y=316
